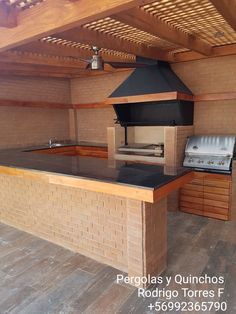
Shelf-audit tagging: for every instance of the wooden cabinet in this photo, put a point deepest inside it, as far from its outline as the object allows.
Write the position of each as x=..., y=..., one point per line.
x=207, y=195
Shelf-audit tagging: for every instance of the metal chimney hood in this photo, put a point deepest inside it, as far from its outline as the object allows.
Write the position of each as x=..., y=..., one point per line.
x=153, y=95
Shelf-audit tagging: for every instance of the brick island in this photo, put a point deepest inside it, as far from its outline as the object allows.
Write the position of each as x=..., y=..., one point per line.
x=113, y=212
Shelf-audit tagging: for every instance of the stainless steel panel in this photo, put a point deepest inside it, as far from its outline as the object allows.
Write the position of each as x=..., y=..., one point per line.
x=217, y=145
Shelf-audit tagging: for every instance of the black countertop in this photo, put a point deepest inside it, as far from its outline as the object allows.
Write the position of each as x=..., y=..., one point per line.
x=121, y=172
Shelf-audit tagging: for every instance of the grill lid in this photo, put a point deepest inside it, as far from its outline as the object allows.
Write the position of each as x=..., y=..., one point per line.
x=217, y=145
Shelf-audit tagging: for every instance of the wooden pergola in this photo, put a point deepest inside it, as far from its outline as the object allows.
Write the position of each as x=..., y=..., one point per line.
x=47, y=37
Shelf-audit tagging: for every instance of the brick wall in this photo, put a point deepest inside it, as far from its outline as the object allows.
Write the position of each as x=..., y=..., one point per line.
x=92, y=124
x=211, y=76
x=29, y=126
x=94, y=224
x=201, y=76
x=126, y=234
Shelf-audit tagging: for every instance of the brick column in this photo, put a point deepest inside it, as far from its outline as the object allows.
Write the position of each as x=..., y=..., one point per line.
x=146, y=237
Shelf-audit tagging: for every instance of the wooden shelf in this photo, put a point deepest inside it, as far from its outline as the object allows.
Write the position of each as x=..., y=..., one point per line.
x=121, y=100
x=35, y=104
x=215, y=96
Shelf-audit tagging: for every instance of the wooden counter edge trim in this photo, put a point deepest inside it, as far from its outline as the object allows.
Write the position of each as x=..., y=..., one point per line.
x=173, y=185
x=126, y=191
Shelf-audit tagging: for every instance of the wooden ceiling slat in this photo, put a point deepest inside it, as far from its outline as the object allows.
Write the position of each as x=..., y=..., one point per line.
x=96, y=38
x=170, y=30
x=227, y=8
x=53, y=16
x=144, y=21
x=63, y=50
x=194, y=17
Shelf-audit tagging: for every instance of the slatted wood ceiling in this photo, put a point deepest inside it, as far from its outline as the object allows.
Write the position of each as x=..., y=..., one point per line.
x=197, y=18
x=194, y=17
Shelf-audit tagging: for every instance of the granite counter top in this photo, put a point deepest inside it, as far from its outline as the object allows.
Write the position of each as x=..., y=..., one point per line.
x=129, y=173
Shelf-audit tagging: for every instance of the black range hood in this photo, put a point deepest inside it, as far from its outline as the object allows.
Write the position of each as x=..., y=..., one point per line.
x=153, y=79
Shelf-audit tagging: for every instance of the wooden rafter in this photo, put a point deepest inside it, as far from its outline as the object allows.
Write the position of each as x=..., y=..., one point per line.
x=21, y=69
x=220, y=51
x=144, y=21
x=50, y=49
x=227, y=8
x=38, y=59
x=86, y=36
x=37, y=70
x=55, y=16
x=8, y=16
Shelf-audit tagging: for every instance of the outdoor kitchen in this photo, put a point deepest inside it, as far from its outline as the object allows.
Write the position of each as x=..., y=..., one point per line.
x=117, y=156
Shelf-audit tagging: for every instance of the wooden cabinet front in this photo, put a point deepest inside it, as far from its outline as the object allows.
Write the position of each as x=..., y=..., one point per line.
x=207, y=195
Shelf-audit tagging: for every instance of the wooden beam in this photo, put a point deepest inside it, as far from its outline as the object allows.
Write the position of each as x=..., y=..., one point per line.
x=91, y=106
x=8, y=16
x=53, y=16
x=107, y=103
x=149, y=97
x=34, y=104
x=102, y=40
x=50, y=49
x=21, y=69
x=38, y=70
x=220, y=51
x=23, y=73
x=38, y=59
x=227, y=8
x=142, y=20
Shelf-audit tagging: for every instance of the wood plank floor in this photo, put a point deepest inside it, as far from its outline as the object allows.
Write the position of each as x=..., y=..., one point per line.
x=38, y=277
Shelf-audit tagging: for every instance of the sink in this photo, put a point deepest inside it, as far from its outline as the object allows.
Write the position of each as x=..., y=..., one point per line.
x=57, y=145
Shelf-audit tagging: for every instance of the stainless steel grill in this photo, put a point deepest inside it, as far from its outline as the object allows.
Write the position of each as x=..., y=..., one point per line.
x=210, y=152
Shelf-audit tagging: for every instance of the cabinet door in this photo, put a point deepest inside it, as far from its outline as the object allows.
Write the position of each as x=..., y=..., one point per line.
x=207, y=195
x=191, y=197
x=217, y=195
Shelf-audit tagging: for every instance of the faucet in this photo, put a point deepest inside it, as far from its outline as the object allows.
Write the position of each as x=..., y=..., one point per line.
x=52, y=141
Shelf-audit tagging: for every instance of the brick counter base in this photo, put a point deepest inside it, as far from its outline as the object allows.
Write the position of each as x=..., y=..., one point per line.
x=127, y=234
